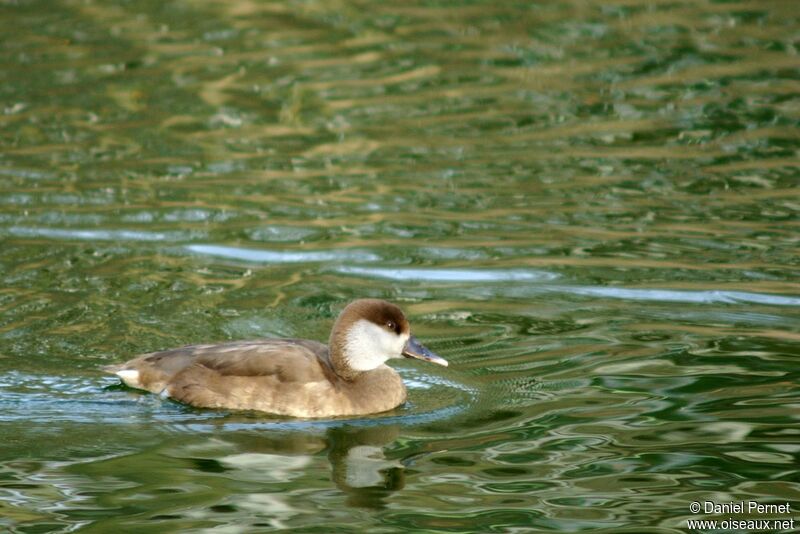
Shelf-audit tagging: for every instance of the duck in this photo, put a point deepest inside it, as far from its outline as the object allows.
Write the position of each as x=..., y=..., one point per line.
x=291, y=377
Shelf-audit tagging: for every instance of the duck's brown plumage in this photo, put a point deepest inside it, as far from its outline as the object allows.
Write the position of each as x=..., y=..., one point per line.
x=294, y=377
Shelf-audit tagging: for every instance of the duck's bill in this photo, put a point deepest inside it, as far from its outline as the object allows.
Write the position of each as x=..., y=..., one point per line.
x=415, y=349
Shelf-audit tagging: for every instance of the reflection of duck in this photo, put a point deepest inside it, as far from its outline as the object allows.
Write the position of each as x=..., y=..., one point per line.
x=359, y=467
x=294, y=377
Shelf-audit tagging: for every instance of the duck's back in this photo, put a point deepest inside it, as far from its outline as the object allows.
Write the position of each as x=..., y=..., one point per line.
x=281, y=376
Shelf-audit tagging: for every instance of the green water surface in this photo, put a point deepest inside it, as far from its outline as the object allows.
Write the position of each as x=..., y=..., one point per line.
x=590, y=208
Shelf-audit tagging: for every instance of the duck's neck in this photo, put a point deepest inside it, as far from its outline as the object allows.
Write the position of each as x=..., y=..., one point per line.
x=339, y=362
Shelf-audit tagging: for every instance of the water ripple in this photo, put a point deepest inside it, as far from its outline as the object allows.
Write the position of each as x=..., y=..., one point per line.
x=99, y=235
x=669, y=295
x=451, y=275
x=637, y=294
x=282, y=256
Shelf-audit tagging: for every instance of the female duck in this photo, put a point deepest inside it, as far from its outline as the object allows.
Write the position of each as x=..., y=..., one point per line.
x=294, y=377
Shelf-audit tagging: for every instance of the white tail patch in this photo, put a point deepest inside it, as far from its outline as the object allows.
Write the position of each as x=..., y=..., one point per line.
x=130, y=377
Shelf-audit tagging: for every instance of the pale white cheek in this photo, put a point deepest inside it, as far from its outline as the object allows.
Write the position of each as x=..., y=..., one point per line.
x=369, y=345
x=398, y=344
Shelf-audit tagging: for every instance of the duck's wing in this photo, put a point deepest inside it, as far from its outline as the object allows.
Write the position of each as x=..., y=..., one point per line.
x=287, y=377
x=288, y=360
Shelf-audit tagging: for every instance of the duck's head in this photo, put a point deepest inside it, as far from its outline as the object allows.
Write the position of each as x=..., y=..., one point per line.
x=370, y=331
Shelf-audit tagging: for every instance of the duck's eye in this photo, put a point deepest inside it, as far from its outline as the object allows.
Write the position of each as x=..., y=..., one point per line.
x=391, y=326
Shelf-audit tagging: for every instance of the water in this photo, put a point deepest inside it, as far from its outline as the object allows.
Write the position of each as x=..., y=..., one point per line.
x=590, y=208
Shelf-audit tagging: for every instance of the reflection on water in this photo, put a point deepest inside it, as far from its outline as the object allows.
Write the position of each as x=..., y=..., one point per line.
x=245, y=479
x=273, y=256
x=450, y=275
x=590, y=208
